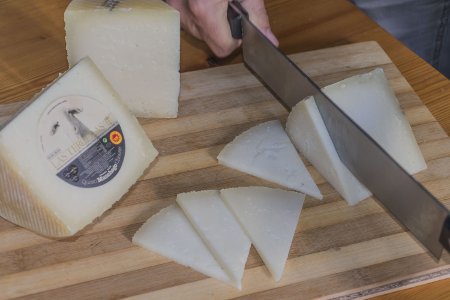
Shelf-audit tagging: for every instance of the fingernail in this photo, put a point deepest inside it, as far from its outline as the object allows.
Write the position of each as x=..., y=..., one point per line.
x=272, y=37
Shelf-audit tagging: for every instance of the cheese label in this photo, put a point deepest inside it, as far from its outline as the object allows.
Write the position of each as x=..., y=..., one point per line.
x=81, y=141
x=111, y=4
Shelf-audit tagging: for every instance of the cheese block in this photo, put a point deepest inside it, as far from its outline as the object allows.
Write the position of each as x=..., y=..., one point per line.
x=219, y=230
x=69, y=154
x=136, y=44
x=265, y=151
x=370, y=101
x=269, y=217
x=308, y=133
x=170, y=234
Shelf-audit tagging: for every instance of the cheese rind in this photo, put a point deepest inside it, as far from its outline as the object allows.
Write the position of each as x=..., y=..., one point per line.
x=34, y=197
x=265, y=151
x=170, y=234
x=370, y=101
x=269, y=217
x=219, y=229
x=136, y=44
x=21, y=206
x=308, y=133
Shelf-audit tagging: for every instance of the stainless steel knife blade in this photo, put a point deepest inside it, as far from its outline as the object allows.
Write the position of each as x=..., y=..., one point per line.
x=402, y=195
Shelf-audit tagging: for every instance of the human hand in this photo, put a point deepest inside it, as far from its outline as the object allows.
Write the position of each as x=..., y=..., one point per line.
x=207, y=20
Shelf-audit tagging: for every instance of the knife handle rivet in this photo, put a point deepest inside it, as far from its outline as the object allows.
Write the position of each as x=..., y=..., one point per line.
x=212, y=61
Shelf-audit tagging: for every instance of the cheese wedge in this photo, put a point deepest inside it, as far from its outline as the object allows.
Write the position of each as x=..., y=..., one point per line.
x=170, y=234
x=308, y=133
x=69, y=154
x=136, y=44
x=220, y=231
x=370, y=101
x=269, y=217
x=265, y=151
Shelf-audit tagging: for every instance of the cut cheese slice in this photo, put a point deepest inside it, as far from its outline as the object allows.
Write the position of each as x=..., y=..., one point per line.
x=68, y=155
x=269, y=217
x=170, y=234
x=307, y=131
x=136, y=44
x=370, y=101
x=265, y=151
x=219, y=230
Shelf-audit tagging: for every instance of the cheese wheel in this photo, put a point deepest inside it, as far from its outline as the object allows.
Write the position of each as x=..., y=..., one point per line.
x=136, y=44
x=69, y=154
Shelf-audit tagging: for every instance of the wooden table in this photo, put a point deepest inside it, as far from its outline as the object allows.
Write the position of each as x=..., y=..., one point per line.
x=32, y=53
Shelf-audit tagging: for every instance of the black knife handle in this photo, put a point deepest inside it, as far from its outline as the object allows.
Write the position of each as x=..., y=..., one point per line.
x=234, y=16
x=444, y=239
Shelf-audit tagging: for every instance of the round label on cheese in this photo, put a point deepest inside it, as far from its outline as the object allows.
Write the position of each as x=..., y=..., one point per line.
x=81, y=141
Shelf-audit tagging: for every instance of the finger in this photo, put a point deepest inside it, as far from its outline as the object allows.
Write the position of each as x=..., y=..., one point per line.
x=186, y=18
x=212, y=24
x=258, y=16
x=218, y=37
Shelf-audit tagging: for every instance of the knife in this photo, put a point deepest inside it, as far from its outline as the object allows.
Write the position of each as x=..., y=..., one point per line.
x=400, y=193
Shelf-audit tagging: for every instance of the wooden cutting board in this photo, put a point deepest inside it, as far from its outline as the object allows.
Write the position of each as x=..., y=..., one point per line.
x=354, y=251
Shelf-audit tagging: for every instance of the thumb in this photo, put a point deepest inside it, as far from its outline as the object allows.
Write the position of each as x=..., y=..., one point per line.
x=258, y=16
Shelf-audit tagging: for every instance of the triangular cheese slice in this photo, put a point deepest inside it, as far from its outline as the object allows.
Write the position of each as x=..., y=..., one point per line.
x=370, y=101
x=219, y=230
x=307, y=131
x=265, y=151
x=170, y=234
x=269, y=217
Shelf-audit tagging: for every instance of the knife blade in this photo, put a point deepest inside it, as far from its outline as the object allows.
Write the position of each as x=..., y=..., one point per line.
x=415, y=207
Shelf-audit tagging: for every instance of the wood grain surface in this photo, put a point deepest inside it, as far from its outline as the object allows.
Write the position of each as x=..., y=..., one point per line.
x=336, y=248
x=32, y=53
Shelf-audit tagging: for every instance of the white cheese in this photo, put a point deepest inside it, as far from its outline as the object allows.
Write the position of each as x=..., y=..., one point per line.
x=269, y=217
x=219, y=230
x=31, y=193
x=307, y=131
x=370, y=101
x=265, y=151
x=136, y=44
x=170, y=234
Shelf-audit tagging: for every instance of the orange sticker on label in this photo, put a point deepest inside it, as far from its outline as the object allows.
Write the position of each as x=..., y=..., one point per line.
x=115, y=137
